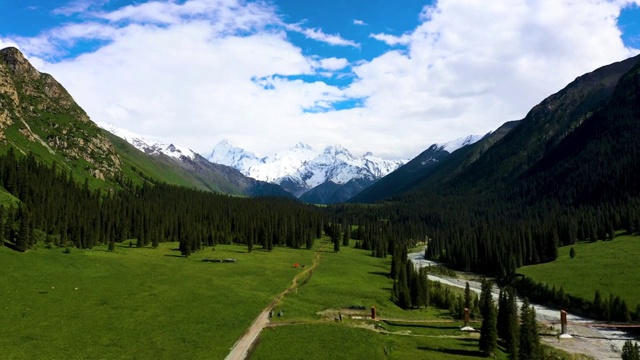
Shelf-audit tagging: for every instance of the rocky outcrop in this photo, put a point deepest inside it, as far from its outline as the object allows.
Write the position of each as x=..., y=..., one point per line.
x=43, y=112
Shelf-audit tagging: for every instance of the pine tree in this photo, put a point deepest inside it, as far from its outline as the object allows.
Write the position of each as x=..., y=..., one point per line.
x=488, y=332
x=467, y=296
x=529, y=341
x=23, y=238
x=513, y=325
x=346, y=236
x=630, y=351
x=502, y=315
x=112, y=245
x=335, y=236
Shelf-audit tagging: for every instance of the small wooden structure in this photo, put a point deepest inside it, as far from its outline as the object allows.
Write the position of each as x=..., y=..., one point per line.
x=563, y=325
x=466, y=326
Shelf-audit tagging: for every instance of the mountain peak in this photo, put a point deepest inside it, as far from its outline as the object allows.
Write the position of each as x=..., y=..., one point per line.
x=225, y=143
x=456, y=144
x=336, y=150
x=302, y=145
x=18, y=63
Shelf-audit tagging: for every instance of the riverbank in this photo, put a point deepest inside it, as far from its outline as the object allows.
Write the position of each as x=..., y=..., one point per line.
x=586, y=337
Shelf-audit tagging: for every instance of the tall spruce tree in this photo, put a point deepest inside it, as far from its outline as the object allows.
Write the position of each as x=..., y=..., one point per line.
x=630, y=351
x=346, y=236
x=529, y=341
x=502, y=315
x=513, y=325
x=488, y=332
x=467, y=296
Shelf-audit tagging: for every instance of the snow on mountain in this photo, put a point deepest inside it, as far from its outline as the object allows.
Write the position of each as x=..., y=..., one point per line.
x=456, y=144
x=282, y=164
x=148, y=145
x=301, y=168
x=228, y=154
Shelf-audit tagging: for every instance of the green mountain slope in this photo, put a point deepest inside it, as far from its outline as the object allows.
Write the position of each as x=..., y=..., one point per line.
x=501, y=159
x=37, y=115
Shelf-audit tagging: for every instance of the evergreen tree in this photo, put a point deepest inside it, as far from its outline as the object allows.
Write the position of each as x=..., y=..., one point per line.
x=250, y=244
x=488, y=332
x=529, y=341
x=502, y=315
x=513, y=325
x=467, y=296
x=112, y=245
x=335, y=236
x=23, y=238
x=346, y=236
x=630, y=351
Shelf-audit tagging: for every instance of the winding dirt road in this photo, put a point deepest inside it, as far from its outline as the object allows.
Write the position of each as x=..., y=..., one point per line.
x=241, y=348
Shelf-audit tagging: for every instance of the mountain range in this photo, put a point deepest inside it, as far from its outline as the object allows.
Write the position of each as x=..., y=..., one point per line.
x=302, y=168
x=544, y=154
x=330, y=176
x=38, y=116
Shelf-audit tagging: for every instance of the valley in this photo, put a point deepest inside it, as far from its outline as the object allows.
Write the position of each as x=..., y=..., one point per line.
x=115, y=245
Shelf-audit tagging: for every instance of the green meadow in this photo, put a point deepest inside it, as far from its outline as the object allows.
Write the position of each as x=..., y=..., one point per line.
x=609, y=266
x=135, y=303
x=310, y=327
x=146, y=303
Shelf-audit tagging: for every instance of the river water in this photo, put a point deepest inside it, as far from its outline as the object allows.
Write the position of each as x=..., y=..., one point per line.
x=587, y=338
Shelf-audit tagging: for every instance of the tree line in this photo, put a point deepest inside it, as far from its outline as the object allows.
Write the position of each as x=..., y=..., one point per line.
x=55, y=209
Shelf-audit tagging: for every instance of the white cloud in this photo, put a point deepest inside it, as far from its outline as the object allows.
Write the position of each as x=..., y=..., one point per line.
x=73, y=7
x=333, y=64
x=471, y=65
x=197, y=71
x=319, y=35
x=359, y=22
x=391, y=39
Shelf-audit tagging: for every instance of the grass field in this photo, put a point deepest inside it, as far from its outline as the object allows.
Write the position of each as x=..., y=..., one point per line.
x=154, y=304
x=135, y=303
x=352, y=277
x=609, y=266
x=331, y=341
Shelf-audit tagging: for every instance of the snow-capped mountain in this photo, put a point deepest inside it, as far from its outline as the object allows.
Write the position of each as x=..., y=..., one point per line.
x=227, y=154
x=214, y=177
x=148, y=145
x=456, y=144
x=301, y=168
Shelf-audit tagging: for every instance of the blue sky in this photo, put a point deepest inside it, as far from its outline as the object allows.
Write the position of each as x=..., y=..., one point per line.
x=391, y=77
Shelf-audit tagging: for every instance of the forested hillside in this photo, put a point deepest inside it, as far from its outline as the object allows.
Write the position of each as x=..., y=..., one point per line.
x=565, y=173
x=55, y=210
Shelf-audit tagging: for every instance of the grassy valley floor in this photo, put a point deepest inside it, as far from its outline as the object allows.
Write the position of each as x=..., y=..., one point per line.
x=608, y=266
x=135, y=303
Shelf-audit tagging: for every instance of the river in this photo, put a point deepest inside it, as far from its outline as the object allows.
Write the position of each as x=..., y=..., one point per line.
x=586, y=338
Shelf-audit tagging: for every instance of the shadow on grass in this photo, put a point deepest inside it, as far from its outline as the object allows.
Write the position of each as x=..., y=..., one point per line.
x=423, y=326
x=459, y=352
x=171, y=255
x=238, y=251
x=381, y=273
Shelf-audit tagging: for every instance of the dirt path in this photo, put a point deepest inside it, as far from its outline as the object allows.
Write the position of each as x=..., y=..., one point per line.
x=241, y=348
